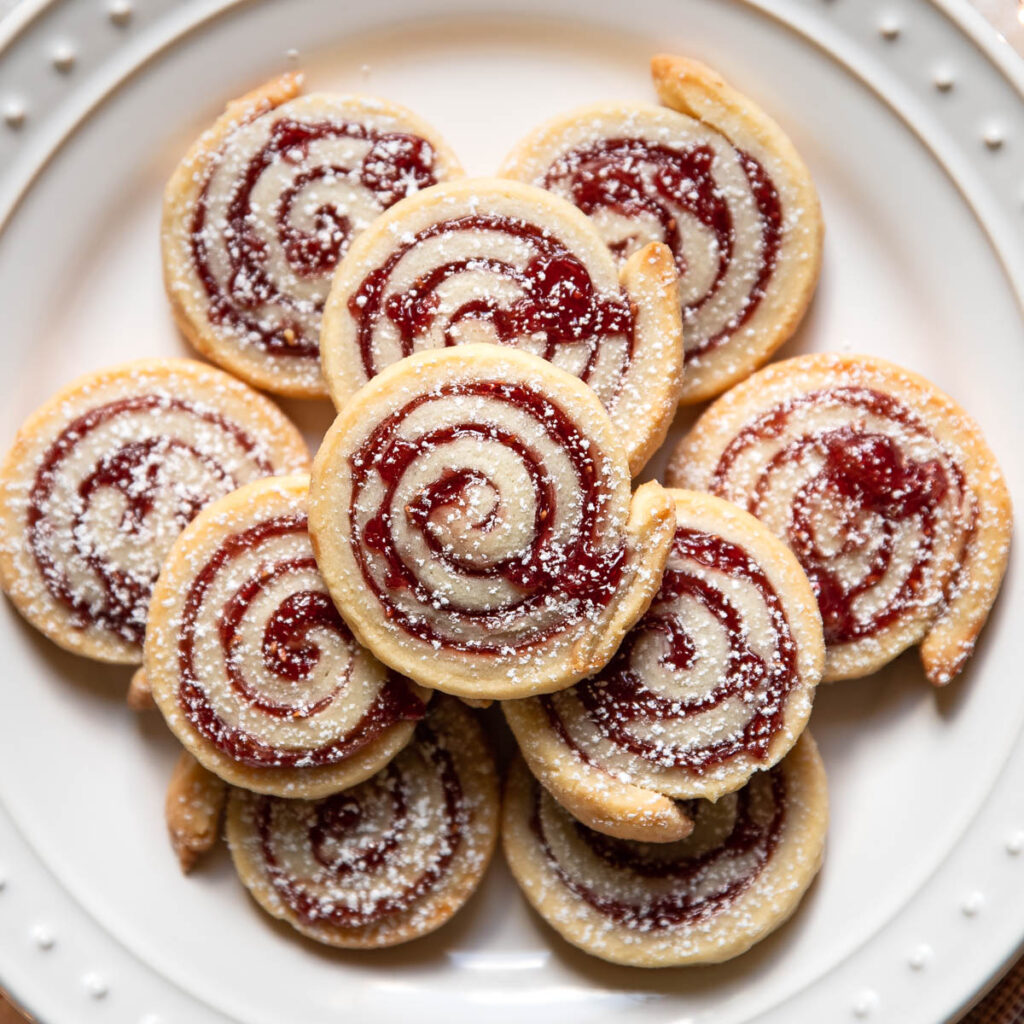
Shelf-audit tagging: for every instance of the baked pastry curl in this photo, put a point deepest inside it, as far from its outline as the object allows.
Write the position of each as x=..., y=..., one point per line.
x=193, y=807
x=714, y=178
x=103, y=478
x=258, y=214
x=387, y=861
x=737, y=877
x=886, y=492
x=250, y=663
x=714, y=683
x=485, y=260
x=471, y=512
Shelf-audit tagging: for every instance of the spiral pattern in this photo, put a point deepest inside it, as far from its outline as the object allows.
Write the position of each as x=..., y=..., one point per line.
x=385, y=861
x=744, y=704
x=873, y=505
x=642, y=886
x=714, y=205
x=262, y=669
x=878, y=483
x=268, y=282
x=714, y=682
x=278, y=198
x=507, y=278
x=483, y=533
x=713, y=178
x=705, y=898
x=118, y=470
x=480, y=496
x=493, y=261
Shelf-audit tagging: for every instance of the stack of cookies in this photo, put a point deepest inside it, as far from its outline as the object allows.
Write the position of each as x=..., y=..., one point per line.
x=505, y=356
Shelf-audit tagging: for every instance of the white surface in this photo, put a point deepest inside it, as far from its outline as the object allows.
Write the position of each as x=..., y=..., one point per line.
x=919, y=901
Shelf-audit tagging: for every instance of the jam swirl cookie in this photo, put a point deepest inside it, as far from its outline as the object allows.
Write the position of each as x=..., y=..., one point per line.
x=264, y=205
x=105, y=475
x=486, y=260
x=715, y=179
x=250, y=663
x=471, y=512
x=885, y=490
x=714, y=683
x=388, y=861
x=707, y=898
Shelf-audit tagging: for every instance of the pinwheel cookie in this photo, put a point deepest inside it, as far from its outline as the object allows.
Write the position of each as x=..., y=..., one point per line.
x=706, y=898
x=472, y=515
x=264, y=205
x=714, y=178
x=496, y=261
x=388, y=861
x=713, y=683
x=885, y=490
x=106, y=474
x=250, y=663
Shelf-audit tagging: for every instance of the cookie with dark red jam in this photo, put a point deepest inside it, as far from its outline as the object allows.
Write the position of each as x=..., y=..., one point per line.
x=884, y=489
x=103, y=478
x=738, y=876
x=265, y=204
x=486, y=260
x=714, y=178
x=387, y=861
x=472, y=514
x=714, y=683
x=251, y=665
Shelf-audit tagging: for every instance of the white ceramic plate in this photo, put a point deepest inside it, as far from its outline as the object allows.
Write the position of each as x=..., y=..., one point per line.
x=910, y=114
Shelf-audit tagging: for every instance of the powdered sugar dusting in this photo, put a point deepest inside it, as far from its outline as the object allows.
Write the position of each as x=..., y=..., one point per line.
x=747, y=862
x=248, y=646
x=484, y=513
x=882, y=488
x=108, y=475
x=270, y=210
x=387, y=860
x=485, y=261
x=729, y=199
x=643, y=174
x=708, y=687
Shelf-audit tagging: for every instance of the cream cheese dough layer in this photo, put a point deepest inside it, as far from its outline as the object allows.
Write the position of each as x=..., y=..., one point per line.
x=250, y=663
x=487, y=260
x=102, y=479
x=472, y=514
x=265, y=204
x=710, y=175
